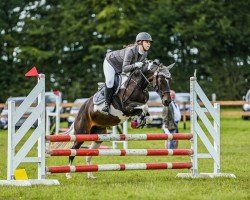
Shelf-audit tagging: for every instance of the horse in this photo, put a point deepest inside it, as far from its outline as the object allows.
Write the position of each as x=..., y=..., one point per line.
x=129, y=100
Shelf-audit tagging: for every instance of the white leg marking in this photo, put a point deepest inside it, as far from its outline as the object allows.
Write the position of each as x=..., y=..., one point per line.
x=94, y=145
x=68, y=175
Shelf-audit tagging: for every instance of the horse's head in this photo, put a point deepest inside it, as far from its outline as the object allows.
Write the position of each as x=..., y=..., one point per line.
x=160, y=77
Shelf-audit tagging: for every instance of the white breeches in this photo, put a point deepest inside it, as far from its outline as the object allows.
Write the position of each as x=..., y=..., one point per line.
x=109, y=74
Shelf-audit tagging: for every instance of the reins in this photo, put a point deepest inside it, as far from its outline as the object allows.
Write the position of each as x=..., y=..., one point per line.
x=143, y=82
x=136, y=84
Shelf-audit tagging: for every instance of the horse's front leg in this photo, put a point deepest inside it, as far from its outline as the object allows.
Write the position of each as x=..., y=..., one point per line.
x=76, y=145
x=142, y=118
x=94, y=145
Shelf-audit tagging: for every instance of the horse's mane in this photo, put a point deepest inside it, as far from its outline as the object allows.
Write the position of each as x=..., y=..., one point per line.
x=161, y=68
x=166, y=72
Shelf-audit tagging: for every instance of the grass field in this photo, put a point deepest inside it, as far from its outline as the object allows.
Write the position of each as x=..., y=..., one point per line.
x=156, y=184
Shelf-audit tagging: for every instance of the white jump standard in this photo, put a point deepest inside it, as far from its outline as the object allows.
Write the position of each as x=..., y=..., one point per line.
x=214, y=130
x=38, y=136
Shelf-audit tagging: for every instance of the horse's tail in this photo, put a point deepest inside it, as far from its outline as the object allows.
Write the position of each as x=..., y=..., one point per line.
x=71, y=130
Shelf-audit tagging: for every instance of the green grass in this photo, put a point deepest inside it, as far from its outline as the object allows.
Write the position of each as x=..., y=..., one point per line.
x=157, y=184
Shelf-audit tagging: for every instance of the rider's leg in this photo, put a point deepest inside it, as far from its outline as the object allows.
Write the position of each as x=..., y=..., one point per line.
x=108, y=98
x=109, y=73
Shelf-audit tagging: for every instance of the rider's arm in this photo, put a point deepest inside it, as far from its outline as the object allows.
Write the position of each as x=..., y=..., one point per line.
x=127, y=66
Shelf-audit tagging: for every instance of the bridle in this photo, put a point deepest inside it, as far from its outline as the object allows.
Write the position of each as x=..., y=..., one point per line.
x=152, y=80
x=156, y=83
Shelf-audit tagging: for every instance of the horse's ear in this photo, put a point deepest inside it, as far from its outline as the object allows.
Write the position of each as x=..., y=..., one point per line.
x=168, y=67
x=157, y=62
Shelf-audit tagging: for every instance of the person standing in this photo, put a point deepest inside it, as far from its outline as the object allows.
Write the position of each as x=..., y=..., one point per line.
x=171, y=116
x=124, y=60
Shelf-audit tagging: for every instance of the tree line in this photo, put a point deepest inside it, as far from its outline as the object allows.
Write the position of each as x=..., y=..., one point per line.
x=67, y=40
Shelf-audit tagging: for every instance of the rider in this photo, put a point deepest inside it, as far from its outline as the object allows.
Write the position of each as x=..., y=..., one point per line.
x=124, y=60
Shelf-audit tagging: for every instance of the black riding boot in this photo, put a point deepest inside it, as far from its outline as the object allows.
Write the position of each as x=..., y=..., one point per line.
x=108, y=98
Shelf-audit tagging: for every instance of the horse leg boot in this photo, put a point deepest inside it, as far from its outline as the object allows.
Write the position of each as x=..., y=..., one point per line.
x=108, y=93
x=94, y=145
x=76, y=145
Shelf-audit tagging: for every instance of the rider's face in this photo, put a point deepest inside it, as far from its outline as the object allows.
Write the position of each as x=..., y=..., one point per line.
x=146, y=45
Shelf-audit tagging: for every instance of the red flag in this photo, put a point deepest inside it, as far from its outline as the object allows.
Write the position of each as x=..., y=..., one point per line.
x=32, y=72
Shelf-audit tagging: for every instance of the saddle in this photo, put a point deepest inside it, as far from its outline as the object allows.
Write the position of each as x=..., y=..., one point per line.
x=99, y=95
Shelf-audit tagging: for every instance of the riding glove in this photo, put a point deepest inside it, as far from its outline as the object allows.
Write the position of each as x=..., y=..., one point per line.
x=138, y=64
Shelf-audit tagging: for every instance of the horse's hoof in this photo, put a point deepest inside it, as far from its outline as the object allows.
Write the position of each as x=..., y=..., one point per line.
x=68, y=176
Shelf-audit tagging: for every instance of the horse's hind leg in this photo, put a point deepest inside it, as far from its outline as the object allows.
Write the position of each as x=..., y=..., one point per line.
x=94, y=145
x=76, y=145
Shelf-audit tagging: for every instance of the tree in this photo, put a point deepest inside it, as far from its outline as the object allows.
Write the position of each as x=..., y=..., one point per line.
x=11, y=23
x=67, y=40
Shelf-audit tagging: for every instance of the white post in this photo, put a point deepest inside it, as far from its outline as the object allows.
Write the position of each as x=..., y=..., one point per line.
x=213, y=97
x=114, y=132
x=125, y=131
x=47, y=129
x=217, y=146
x=55, y=114
x=41, y=139
x=47, y=123
x=11, y=147
x=193, y=115
x=58, y=112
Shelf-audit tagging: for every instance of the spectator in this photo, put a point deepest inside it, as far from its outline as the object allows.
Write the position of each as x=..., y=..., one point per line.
x=171, y=116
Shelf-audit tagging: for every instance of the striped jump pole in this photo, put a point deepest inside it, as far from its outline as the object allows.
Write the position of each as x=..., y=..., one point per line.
x=120, y=152
x=119, y=167
x=121, y=137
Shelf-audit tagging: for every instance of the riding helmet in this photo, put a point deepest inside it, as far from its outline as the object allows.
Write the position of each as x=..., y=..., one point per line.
x=143, y=36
